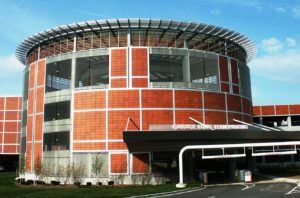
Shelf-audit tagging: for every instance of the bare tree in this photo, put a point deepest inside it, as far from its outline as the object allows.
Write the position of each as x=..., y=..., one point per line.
x=97, y=165
x=78, y=172
x=47, y=171
x=119, y=178
x=135, y=179
x=38, y=168
x=60, y=172
x=68, y=172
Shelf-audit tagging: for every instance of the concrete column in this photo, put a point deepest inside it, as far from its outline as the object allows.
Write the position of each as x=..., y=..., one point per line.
x=188, y=167
x=186, y=68
x=289, y=121
x=263, y=160
x=232, y=168
x=128, y=38
x=185, y=43
x=260, y=120
x=252, y=163
x=191, y=166
x=225, y=46
x=39, y=52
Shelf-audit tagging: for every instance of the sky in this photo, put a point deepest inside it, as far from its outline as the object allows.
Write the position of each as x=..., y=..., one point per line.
x=274, y=26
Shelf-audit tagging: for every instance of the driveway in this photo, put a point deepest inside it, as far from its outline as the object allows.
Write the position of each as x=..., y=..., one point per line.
x=270, y=190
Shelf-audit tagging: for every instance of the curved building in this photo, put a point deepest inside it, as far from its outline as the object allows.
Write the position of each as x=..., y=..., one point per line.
x=86, y=83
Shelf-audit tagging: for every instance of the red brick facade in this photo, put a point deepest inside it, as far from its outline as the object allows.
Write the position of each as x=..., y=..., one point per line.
x=99, y=116
x=35, y=113
x=270, y=110
x=10, y=124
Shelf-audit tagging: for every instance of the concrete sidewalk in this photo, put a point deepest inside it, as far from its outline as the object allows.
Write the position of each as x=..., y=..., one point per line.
x=292, y=179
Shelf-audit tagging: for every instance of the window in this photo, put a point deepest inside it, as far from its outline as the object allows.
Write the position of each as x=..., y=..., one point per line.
x=56, y=141
x=211, y=71
x=274, y=121
x=57, y=111
x=295, y=120
x=244, y=73
x=92, y=71
x=204, y=71
x=197, y=69
x=166, y=68
x=58, y=75
x=92, y=164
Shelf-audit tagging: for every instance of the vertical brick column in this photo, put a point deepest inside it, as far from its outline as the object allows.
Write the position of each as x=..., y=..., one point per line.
x=35, y=114
x=118, y=68
x=30, y=115
x=139, y=66
x=39, y=111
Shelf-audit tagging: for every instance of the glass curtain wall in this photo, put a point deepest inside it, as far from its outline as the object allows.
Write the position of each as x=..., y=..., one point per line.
x=58, y=76
x=166, y=68
x=244, y=76
x=92, y=71
x=57, y=111
x=196, y=70
x=56, y=141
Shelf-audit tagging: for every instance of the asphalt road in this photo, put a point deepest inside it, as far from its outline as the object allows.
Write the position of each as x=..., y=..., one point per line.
x=272, y=190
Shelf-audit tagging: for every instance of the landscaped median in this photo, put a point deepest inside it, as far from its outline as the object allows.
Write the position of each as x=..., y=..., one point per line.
x=8, y=188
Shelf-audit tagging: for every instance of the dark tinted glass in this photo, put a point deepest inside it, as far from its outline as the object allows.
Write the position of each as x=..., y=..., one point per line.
x=58, y=75
x=56, y=141
x=92, y=71
x=57, y=111
x=166, y=68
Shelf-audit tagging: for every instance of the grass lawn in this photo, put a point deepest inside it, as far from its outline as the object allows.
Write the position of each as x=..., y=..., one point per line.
x=9, y=189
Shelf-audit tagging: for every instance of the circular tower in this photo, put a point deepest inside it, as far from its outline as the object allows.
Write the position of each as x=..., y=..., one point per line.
x=85, y=83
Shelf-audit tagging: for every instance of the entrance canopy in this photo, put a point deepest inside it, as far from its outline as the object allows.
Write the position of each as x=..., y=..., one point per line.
x=151, y=141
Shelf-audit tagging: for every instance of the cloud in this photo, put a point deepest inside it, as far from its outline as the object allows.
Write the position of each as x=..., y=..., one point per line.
x=280, y=9
x=280, y=60
x=296, y=11
x=9, y=66
x=291, y=42
x=271, y=45
x=283, y=67
x=215, y=12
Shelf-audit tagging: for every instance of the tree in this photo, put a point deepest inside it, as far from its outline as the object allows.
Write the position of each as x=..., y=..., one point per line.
x=38, y=167
x=97, y=165
x=60, y=172
x=77, y=172
x=47, y=171
x=69, y=171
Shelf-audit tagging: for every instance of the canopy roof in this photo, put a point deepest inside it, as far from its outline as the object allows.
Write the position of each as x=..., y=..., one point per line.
x=134, y=23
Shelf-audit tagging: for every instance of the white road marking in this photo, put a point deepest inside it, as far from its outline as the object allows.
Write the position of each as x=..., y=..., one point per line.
x=212, y=197
x=162, y=193
x=248, y=186
x=179, y=193
x=293, y=191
